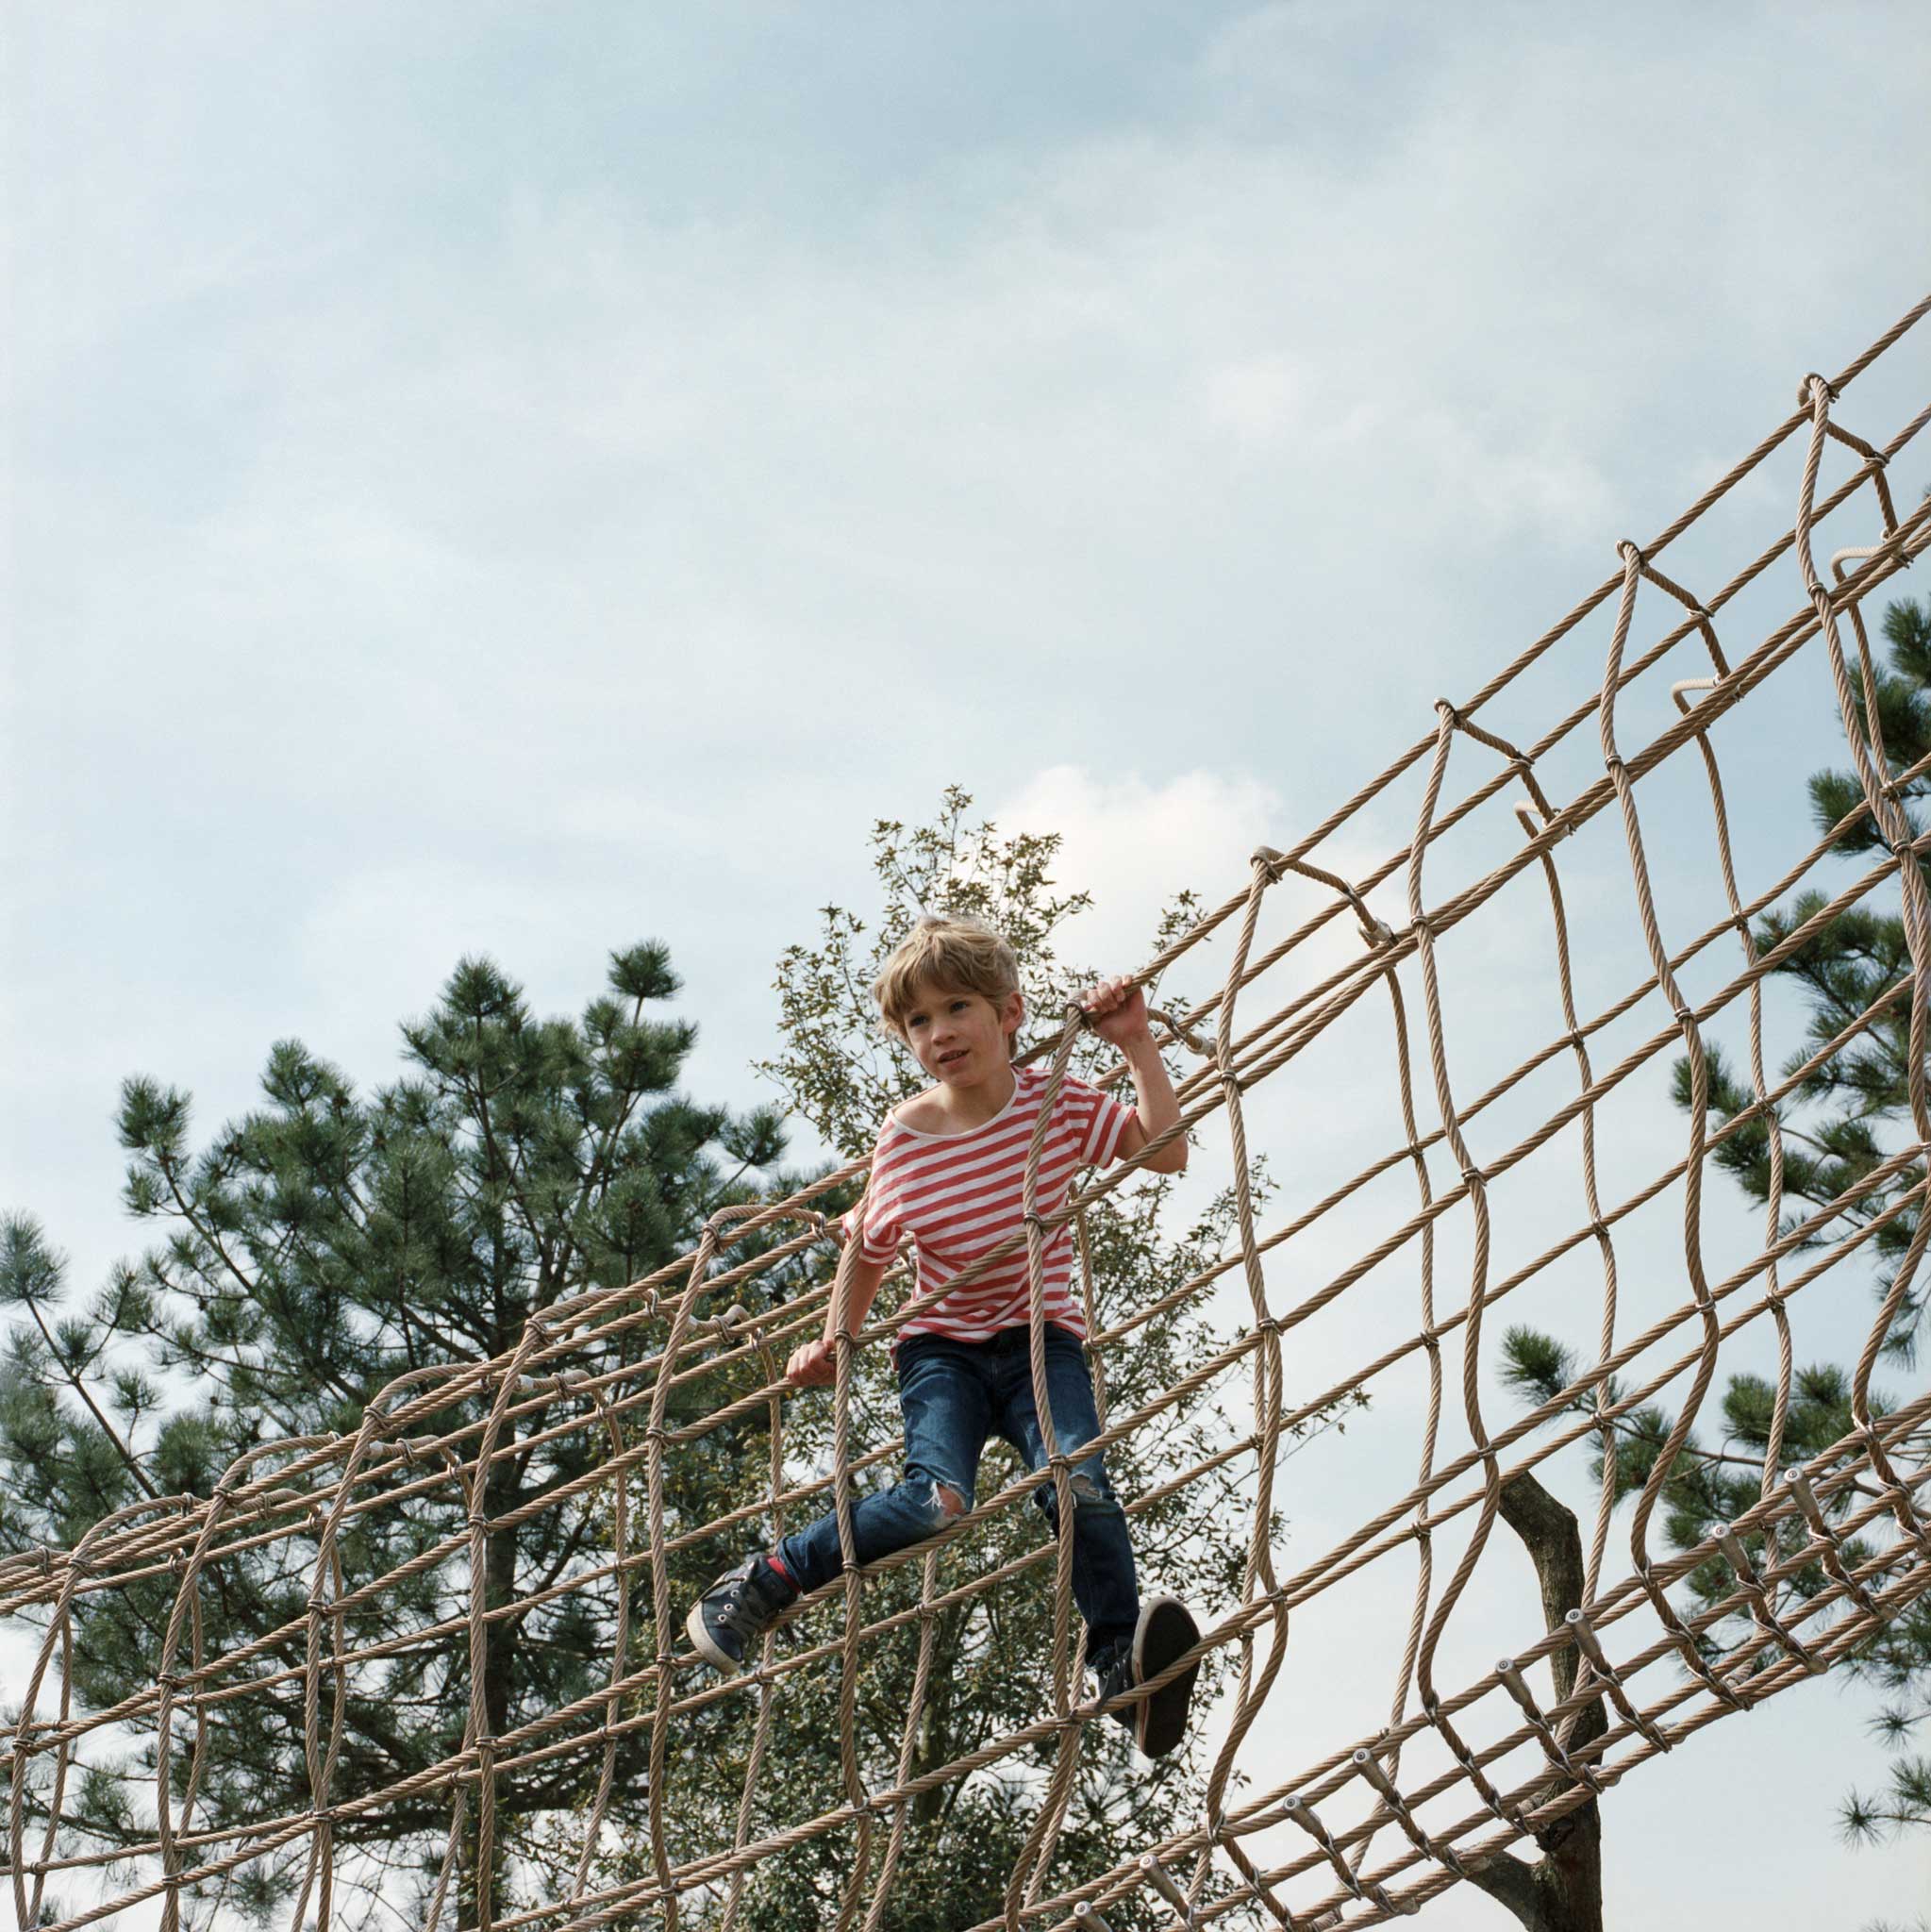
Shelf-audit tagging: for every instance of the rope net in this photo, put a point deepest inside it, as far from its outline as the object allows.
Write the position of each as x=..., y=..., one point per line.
x=1514, y=1191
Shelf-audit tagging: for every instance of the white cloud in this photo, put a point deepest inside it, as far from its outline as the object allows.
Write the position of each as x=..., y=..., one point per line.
x=1135, y=845
x=1255, y=398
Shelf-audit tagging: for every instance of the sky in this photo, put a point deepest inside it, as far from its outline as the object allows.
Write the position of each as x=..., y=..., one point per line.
x=520, y=481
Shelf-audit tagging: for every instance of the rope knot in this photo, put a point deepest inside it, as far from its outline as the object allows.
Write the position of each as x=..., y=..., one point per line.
x=1630, y=554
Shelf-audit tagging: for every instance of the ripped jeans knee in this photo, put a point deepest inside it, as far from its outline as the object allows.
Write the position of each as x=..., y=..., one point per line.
x=936, y=1503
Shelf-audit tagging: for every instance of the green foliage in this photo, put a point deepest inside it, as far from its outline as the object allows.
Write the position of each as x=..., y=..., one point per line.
x=307, y=1255
x=1845, y=1120
x=1835, y=1135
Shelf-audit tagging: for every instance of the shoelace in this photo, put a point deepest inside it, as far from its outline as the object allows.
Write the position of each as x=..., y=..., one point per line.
x=736, y=1615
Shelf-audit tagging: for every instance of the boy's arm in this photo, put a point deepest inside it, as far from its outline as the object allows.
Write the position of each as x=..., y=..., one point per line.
x=814, y=1365
x=1118, y=1009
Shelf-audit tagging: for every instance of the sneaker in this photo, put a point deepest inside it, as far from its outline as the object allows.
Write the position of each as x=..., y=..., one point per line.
x=1165, y=1631
x=738, y=1609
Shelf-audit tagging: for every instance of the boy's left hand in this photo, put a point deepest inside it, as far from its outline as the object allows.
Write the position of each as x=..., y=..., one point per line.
x=1117, y=1009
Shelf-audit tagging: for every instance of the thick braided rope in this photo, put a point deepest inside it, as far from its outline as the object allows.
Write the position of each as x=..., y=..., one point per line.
x=1300, y=1852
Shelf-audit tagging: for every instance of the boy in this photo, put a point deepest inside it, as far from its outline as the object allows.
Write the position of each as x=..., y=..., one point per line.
x=949, y=1170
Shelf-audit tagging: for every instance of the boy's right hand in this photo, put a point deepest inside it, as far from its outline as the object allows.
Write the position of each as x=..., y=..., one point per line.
x=813, y=1366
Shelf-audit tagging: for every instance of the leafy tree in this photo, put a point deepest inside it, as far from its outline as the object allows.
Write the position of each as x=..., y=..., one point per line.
x=1844, y=1123
x=308, y=1254
x=839, y=1072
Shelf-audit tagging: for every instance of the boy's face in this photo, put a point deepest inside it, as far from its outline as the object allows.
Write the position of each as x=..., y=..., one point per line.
x=961, y=1039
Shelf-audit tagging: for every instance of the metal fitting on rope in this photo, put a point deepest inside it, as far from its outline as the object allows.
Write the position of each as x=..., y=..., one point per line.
x=1448, y=711
x=1798, y=1483
x=1371, y=1768
x=1303, y=1813
x=1471, y=1174
x=1813, y=379
x=1734, y=1555
x=1518, y=1688
x=1153, y=1872
x=1592, y=1647
x=1585, y=1639
x=1085, y=1916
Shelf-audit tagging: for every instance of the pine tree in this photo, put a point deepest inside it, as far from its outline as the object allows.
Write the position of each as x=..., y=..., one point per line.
x=304, y=1256
x=1843, y=1124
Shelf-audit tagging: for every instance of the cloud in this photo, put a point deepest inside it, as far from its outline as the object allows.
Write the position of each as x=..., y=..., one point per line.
x=1134, y=845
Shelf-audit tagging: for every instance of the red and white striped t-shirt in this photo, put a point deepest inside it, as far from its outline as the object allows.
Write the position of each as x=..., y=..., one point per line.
x=959, y=1195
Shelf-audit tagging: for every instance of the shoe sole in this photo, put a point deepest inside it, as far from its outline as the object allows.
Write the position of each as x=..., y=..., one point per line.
x=1165, y=1631
x=707, y=1646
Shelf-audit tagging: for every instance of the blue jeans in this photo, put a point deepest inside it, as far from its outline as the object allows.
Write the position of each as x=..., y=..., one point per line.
x=954, y=1394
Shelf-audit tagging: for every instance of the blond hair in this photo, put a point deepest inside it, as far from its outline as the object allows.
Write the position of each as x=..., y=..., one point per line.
x=955, y=955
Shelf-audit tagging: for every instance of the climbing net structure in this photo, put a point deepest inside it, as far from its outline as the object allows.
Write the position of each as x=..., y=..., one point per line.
x=1517, y=1190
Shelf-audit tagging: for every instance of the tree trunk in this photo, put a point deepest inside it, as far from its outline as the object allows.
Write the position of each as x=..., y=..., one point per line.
x=1562, y=1890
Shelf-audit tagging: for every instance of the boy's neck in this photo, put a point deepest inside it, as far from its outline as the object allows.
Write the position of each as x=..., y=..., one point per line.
x=976, y=1106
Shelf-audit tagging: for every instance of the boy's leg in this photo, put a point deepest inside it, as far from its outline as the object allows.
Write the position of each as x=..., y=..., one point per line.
x=947, y=1404
x=1128, y=1644
x=1104, y=1582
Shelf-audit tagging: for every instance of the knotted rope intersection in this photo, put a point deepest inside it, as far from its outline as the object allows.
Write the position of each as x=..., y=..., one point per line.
x=1349, y=1838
